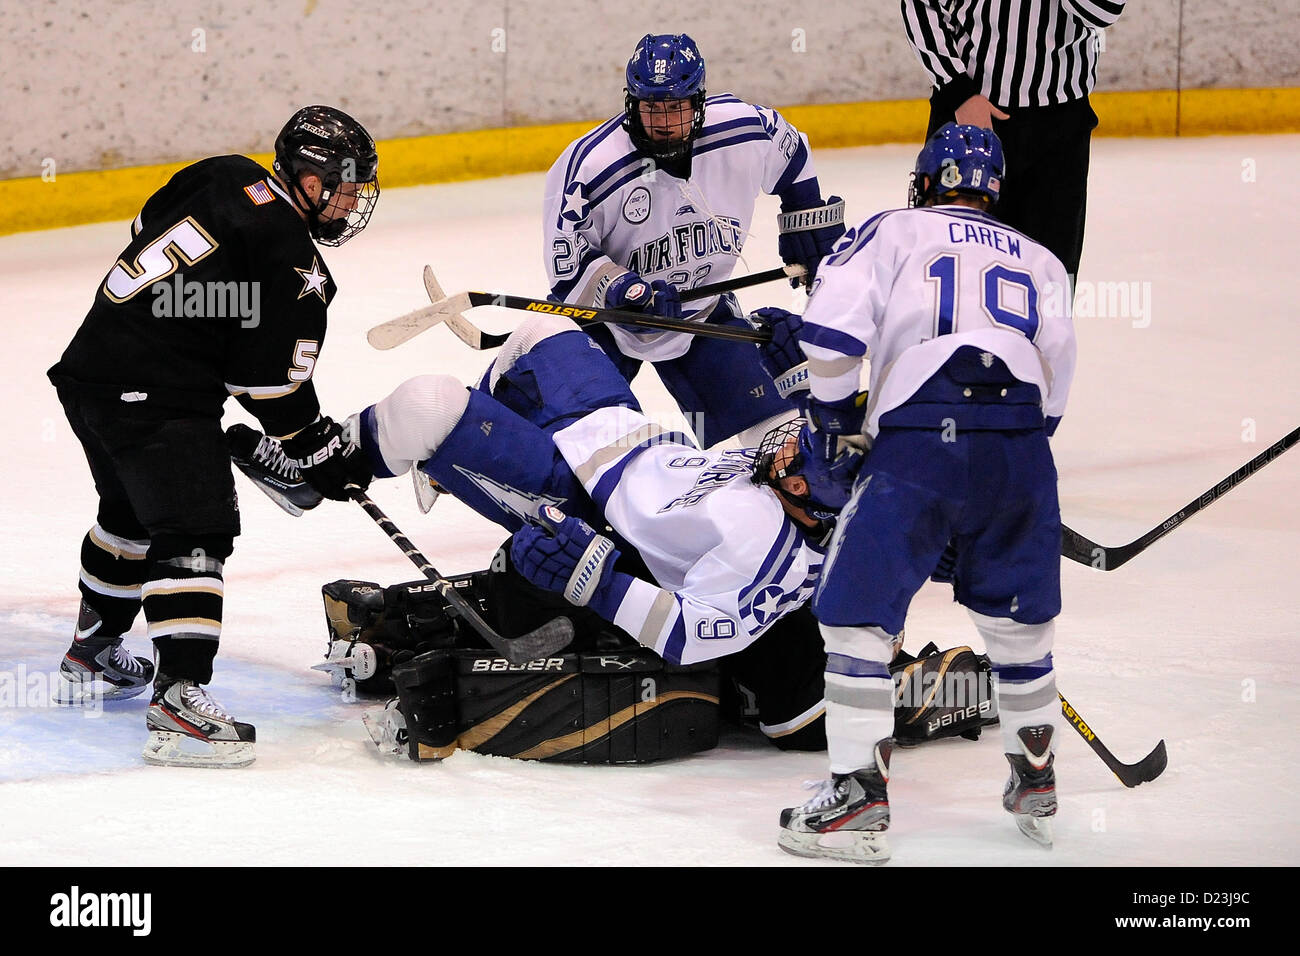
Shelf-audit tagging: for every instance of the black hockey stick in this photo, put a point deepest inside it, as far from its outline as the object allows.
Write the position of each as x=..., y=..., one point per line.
x=541, y=642
x=1129, y=774
x=448, y=310
x=1078, y=548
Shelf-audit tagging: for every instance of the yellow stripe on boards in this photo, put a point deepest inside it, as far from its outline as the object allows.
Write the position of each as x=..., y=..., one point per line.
x=117, y=194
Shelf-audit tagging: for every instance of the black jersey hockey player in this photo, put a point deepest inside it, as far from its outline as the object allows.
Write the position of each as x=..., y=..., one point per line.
x=221, y=291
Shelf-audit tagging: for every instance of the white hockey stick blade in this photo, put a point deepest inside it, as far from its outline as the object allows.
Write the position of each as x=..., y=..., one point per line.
x=394, y=332
x=450, y=309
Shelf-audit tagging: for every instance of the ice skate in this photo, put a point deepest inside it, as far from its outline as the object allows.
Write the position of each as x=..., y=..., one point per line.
x=846, y=819
x=99, y=668
x=1030, y=793
x=187, y=728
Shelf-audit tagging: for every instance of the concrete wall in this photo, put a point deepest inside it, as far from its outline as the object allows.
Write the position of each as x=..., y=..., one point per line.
x=100, y=84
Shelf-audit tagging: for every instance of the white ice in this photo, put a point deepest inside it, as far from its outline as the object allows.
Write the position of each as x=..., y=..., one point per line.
x=1194, y=641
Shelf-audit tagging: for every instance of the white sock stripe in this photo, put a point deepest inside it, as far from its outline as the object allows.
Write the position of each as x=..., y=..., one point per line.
x=109, y=590
x=159, y=586
x=196, y=627
x=119, y=547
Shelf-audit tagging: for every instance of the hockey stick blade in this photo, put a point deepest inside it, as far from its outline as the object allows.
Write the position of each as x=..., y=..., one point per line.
x=1129, y=774
x=543, y=641
x=1085, y=551
x=394, y=332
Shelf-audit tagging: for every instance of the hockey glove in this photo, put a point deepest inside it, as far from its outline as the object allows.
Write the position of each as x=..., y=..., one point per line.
x=634, y=294
x=329, y=458
x=832, y=444
x=567, y=556
x=781, y=356
x=808, y=234
x=261, y=458
x=830, y=481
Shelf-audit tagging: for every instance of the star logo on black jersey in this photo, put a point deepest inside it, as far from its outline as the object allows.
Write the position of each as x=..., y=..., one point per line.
x=313, y=280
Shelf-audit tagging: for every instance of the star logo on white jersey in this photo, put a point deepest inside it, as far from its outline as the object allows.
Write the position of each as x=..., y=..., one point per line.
x=524, y=504
x=575, y=202
x=767, y=604
x=313, y=280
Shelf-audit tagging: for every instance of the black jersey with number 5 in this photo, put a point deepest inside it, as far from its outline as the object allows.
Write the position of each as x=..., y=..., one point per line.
x=221, y=292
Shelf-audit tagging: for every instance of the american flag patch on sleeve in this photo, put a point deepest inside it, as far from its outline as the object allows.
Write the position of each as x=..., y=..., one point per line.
x=260, y=193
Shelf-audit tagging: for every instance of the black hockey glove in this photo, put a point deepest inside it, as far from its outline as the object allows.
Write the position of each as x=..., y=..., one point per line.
x=328, y=458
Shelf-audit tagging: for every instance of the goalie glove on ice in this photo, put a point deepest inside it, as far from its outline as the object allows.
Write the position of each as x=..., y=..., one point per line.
x=567, y=556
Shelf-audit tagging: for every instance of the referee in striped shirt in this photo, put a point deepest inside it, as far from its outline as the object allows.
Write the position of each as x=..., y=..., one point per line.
x=1023, y=68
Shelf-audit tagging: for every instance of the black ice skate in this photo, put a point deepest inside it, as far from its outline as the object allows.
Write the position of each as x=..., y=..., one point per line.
x=187, y=728
x=261, y=458
x=1030, y=794
x=99, y=668
x=846, y=819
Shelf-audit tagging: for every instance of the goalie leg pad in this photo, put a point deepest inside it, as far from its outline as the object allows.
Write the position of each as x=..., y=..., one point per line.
x=601, y=708
x=942, y=694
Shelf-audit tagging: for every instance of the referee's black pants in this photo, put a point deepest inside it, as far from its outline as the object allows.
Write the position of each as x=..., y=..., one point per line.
x=1045, y=189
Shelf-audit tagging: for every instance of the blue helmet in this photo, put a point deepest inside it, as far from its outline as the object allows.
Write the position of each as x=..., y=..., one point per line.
x=959, y=159
x=664, y=68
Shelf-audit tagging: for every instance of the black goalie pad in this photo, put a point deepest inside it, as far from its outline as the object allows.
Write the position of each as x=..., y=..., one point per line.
x=942, y=694
x=604, y=707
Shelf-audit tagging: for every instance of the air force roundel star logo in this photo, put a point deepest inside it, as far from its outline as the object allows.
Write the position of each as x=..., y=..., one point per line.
x=575, y=202
x=767, y=604
x=636, y=208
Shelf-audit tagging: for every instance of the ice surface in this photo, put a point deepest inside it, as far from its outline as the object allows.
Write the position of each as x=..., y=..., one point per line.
x=1194, y=641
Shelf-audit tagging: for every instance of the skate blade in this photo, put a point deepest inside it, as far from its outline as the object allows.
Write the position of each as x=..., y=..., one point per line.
x=384, y=729
x=1038, y=829
x=849, y=846
x=78, y=693
x=169, y=749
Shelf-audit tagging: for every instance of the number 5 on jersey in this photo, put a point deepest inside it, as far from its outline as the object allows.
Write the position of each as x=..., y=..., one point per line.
x=186, y=240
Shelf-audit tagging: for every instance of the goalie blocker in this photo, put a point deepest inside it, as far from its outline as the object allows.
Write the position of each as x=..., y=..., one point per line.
x=607, y=699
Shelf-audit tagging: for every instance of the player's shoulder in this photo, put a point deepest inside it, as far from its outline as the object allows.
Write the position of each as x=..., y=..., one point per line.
x=591, y=154
x=726, y=112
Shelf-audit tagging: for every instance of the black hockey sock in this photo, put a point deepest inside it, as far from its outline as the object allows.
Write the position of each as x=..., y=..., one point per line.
x=112, y=570
x=182, y=602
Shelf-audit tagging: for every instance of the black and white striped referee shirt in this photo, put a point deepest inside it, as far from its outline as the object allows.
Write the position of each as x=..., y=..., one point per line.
x=1016, y=52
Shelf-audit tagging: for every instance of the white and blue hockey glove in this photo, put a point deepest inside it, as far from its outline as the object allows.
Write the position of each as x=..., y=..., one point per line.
x=634, y=294
x=808, y=233
x=781, y=356
x=564, y=554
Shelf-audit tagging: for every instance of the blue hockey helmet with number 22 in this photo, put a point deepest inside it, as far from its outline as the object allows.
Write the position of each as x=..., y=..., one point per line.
x=665, y=67
x=959, y=160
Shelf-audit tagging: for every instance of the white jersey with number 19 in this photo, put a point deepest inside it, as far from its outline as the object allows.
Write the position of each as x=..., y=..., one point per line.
x=909, y=287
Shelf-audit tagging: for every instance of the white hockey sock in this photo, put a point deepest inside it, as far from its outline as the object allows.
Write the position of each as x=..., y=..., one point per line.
x=859, y=695
x=1023, y=677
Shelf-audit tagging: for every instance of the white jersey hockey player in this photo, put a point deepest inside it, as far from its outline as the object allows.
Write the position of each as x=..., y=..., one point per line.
x=972, y=353
x=560, y=447
x=660, y=199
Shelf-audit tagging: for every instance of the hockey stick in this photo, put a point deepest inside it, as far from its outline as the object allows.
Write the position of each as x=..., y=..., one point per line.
x=541, y=642
x=1078, y=548
x=446, y=309
x=1129, y=774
